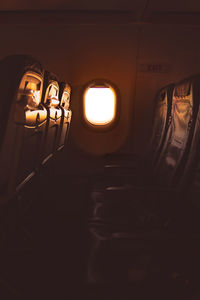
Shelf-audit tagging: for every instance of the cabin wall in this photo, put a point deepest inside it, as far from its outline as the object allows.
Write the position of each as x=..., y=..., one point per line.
x=79, y=53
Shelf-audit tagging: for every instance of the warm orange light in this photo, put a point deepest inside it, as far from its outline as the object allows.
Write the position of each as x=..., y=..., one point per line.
x=54, y=101
x=36, y=97
x=65, y=99
x=100, y=105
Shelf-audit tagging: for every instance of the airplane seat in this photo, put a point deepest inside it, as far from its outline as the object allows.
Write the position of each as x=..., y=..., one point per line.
x=36, y=118
x=22, y=120
x=64, y=97
x=170, y=166
x=133, y=168
x=162, y=119
x=21, y=80
x=131, y=220
x=50, y=100
x=178, y=142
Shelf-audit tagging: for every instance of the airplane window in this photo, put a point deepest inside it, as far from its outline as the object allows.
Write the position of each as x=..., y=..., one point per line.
x=100, y=105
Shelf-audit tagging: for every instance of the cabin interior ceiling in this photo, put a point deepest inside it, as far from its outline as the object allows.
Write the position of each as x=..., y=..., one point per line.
x=136, y=5
x=80, y=52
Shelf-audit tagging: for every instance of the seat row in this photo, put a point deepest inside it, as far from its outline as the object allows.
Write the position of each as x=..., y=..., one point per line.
x=35, y=119
x=173, y=149
x=138, y=205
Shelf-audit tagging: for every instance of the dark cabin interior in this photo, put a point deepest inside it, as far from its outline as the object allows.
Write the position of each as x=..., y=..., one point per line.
x=93, y=211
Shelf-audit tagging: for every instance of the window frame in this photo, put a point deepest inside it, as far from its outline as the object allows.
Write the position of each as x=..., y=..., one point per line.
x=112, y=123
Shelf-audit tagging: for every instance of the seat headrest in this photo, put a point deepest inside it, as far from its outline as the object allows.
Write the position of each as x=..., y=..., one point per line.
x=51, y=88
x=183, y=89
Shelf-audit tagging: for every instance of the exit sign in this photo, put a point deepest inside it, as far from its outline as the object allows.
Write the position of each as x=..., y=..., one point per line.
x=155, y=67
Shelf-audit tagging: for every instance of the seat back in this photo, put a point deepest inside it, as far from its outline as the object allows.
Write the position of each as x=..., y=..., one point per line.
x=162, y=116
x=64, y=96
x=50, y=100
x=21, y=83
x=31, y=117
x=174, y=154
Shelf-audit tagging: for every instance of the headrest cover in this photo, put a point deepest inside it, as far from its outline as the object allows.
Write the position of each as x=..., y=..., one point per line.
x=50, y=85
x=182, y=90
x=12, y=69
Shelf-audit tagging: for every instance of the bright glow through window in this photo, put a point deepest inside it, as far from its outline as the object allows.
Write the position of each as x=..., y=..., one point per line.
x=100, y=105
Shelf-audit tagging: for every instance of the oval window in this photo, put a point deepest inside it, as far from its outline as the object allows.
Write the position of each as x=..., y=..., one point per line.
x=99, y=104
